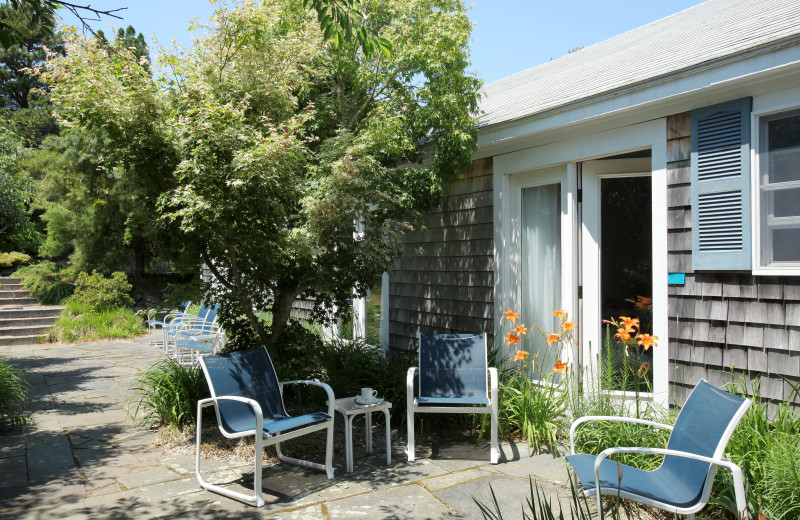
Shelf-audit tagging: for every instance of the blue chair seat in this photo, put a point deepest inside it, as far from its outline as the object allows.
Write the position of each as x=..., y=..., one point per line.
x=243, y=422
x=654, y=485
x=454, y=400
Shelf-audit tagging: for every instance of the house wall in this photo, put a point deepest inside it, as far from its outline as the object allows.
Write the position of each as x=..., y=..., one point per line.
x=719, y=321
x=445, y=282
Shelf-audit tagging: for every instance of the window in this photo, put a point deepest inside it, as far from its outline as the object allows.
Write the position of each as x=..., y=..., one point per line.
x=779, y=190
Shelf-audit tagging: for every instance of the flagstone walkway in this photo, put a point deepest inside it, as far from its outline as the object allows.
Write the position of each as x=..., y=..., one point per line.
x=84, y=458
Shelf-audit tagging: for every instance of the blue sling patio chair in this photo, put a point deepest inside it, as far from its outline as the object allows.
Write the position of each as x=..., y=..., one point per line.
x=248, y=400
x=201, y=324
x=452, y=379
x=173, y=317
x=682, y=484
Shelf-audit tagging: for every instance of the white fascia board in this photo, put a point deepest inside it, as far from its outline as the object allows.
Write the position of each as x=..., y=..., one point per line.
x=751, y=75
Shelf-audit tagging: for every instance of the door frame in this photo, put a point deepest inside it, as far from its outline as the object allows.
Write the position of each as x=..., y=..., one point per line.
x=568, y=153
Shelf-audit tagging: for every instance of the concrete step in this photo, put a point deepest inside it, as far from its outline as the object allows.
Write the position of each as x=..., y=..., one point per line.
x=18, y=340
x=29, y=311
x=5, y=292
x=45, y=321
x=18, y=301
x=12, y=287
x=23, y=330
x=4, y=280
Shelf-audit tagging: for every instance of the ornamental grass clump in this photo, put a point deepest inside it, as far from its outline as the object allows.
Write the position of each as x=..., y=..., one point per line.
x=166, y=394
x=14, y=390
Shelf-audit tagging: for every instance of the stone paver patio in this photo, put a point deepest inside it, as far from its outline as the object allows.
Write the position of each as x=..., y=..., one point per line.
x=84, y=458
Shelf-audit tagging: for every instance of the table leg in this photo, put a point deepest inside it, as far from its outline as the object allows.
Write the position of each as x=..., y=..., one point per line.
x=348, y=442
x=388, y=439
x=368, y=421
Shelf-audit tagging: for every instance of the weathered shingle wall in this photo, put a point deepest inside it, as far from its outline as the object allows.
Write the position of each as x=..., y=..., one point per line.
x=723, y=321
x=445, y=282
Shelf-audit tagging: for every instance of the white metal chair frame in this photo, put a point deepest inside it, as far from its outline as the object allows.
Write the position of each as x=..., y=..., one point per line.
x=263, y=440
x=414, y=407
x=716, y=460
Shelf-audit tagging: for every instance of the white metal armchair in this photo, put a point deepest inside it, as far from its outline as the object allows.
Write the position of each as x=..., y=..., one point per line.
x=682, y=484
x=452, y=379
x=248, y=400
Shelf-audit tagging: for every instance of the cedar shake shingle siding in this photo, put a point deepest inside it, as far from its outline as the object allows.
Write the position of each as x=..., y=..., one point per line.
x=445, y=282
x=719, y=321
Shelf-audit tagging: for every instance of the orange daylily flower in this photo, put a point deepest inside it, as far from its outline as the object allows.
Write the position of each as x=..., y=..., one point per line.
x=644, y=369
x=644, y=303
x=559, y=367
x=568, y=326
x=552, y=338
x=629, y=323
x=623, y=334
x=521, y=355
x=512, y=339
x=521, y=329
x=647, y=341
x=560, y=314
x=511, y=316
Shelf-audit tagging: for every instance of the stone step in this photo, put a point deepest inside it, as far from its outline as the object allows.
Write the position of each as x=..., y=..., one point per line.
x=12, y=287
x=18, y=340
x=45, y=321
x=18, y=301
x=5, y=292
x=10, y=280
x=30, y=311
x=26, y=330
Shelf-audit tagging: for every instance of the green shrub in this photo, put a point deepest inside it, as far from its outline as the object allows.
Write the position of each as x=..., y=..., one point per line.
x=13, y=259
x=166, y=394
x=100, y=292
x=759, y=447
x=47, y=282
x=14, y=390
x=80, y=322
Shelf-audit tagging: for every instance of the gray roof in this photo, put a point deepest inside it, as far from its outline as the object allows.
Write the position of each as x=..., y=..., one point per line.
x=708, y=32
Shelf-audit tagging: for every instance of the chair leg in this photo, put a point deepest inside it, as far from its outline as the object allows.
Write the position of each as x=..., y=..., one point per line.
x=327, y=467
x=256, y=499
x=329, y=451
x=410, y=422
x=495, y=448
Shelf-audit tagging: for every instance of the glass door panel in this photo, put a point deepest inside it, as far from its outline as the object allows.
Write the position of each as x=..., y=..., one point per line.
x=626, y=282
x=540, y=269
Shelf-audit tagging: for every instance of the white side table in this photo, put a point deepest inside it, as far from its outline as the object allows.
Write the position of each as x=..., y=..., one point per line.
x=349, y=409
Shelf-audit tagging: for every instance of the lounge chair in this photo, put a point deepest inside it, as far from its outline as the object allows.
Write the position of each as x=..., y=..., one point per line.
x=248, y=400
x=682, y=484
x=452, y=379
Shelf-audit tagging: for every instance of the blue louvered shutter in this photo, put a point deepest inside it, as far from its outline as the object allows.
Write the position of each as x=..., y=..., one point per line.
x=721, y=187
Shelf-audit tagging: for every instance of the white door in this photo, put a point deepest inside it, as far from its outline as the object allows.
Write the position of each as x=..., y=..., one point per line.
x=616, y=273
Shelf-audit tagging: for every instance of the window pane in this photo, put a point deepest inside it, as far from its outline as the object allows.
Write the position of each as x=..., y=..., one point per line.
x=787, y=203
x=786, y=245
x=784, y=149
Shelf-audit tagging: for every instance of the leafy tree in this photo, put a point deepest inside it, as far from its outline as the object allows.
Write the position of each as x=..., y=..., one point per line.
x=103, y=179
x=284, y=141
x=24, y=107
x=16, y=230
x=39, y=11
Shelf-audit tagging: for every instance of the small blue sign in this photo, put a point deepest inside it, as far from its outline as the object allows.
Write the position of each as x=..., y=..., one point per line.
x=676, y=279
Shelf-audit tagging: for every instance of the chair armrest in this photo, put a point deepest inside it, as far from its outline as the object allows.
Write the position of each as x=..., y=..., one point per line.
x=735, y=470
x=252, y=402
x=609, y=418
x=494, y=383
x=324, y=386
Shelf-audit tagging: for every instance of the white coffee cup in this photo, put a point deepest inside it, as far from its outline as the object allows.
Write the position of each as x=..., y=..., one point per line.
x=368, y=395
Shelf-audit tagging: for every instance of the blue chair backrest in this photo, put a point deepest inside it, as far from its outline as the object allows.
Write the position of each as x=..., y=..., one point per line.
x=245, y=374
x=703, y=427
x=206, y=315
x=452, y=365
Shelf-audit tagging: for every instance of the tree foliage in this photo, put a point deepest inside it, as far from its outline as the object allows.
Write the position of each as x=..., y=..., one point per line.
x=16, y=230
x=274, y=143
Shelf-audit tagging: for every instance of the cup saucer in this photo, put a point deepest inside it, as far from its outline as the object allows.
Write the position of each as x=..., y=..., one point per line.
x=374, y=400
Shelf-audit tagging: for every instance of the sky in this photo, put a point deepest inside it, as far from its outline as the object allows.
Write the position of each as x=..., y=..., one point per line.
x=509, y=36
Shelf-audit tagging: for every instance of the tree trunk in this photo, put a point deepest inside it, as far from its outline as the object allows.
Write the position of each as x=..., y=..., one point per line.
x=281, y=312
